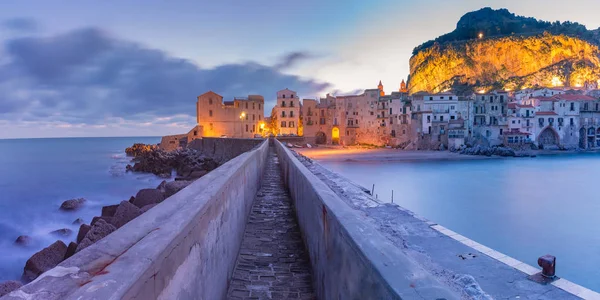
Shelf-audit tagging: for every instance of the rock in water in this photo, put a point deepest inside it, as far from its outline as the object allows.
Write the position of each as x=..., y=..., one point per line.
x=23, y=240
x=109, y=211
x=147, y=208
x=96, y=233
x=83, y=230
x=139, y=149
x=73, y=204
x=44, y=260
x=175, y=186
x=78, y=221
x=125, y=213
x=71, y=249
x=9, y=286
x=148, y=196
x=64, y=232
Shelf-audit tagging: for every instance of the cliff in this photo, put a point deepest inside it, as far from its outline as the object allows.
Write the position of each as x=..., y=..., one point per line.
x=560, y=55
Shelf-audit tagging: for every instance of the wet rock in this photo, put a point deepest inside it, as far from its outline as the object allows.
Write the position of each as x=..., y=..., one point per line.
x=131, y=199
x=9, y=286
x=71, y=249
x=125, y=213
x=147, y=208
x=175, y=186
x=83, y=230
x=96, y=233
x=162, y=185
x=23, y=240
x=139, y=149
x=44, y=260
x=78, y=221
x=109, y=211
x=64, y=232
x=72, y=204
x=96, y=219
x=197, y=174
x=148, y=196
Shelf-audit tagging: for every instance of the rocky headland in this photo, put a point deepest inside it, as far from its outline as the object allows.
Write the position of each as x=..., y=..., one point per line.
x=187, y=164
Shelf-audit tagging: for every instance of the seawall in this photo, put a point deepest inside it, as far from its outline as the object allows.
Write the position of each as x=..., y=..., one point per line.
x=223, y=149
x=350, y=258
x=184, y=248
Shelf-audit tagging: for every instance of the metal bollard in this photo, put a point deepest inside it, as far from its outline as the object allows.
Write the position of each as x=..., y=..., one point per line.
x=548, y=264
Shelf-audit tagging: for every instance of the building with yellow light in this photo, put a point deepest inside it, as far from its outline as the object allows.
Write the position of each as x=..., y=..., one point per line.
x=286, y=114
x=243, y=117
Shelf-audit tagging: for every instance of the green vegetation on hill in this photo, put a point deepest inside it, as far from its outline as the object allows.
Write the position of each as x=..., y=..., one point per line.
x=501, y=22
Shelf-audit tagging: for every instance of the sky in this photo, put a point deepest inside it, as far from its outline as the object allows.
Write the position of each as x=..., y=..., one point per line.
x=135, y=68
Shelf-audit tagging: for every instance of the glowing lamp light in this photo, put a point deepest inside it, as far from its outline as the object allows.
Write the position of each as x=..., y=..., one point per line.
x=556, y=81
x=242, y=115
x=480, y=35
x=262, y=125
x=578, y=85
x=481, y=91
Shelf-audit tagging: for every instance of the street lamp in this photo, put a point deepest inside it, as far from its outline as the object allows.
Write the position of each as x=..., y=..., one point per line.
x=242, y=116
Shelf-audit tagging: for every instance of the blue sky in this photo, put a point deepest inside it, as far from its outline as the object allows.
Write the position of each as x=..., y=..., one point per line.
x=122, y=68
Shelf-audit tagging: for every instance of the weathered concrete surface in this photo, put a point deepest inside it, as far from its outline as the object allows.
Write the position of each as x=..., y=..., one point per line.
x=351, y=259
x=223, y=149
x=460, y=267
x=186, y=248
x=272, y=263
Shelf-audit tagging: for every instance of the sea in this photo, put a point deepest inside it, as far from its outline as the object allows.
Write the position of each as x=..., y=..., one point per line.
x=522, y=207
x=37, y=175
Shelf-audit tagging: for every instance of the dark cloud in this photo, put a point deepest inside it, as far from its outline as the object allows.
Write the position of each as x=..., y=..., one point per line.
x=291, y=59
x=20, y=24
x=87, y=76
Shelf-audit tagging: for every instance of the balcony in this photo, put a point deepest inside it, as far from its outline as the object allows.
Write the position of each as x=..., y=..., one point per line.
x=353, y=126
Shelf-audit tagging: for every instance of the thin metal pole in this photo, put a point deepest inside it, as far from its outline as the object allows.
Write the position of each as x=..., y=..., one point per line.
x=392, y=196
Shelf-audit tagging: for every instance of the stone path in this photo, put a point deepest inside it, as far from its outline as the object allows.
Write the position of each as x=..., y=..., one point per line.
x=272, y=263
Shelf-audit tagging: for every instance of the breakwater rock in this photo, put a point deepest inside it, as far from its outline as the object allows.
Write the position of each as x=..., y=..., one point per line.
x=187, y=163
x=488, y=151
x=139, y=149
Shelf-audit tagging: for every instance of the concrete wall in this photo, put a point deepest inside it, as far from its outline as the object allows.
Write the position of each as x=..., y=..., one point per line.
x=184, y=248
x=350, y=259
x=223, y=149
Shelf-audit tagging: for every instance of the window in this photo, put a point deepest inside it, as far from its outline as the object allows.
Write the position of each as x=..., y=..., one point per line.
x=452, y=117
x=246, y=105
x=247, y=117
x=253, y=128
x=283, y=124
x=541, y=121
x=428, y=119
x=527, y=123
x=390, y=110
x=291, y=113
x=283, y=103
x=246, y=127
x=291, y=124
x=442, y=98
x=253, y=117
x=513, y=121
x=323, y=113
x=283, y=114
x=442, y=119
x=253, y=105
x=572, y=106
x=283, y=96
x=210, y=125
x=430, y=98
x=450, y=97
x=501, y=98
x=571, y=122
x=452, y=107
x=322, y=121
x=209, y=101
x=501, y=131
x=259, y=106
x=292, y=103
x=210, y=113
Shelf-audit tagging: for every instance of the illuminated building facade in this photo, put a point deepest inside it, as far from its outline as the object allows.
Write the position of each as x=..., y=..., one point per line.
x=243, y=117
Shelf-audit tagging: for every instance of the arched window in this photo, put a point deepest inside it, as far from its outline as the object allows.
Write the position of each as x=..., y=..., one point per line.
x=283, y=96
x=291, y=124
x=282, y=124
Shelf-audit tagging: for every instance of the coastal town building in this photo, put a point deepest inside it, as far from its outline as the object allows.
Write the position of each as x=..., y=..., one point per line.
x=241, y=117
x=287, y=113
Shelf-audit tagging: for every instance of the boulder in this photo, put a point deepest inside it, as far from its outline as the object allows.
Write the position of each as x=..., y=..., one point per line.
x=71, y=249
x=161, y=186
x=197, y=174
x=210, y=165
x=83, y=230
x=147, y=208
x=9, y=286
x=125, y=213
x=73, y=204
x=64, y=232
x=131, y=199
x=96, y=233
x=78, y=221
x=23, y=240
x=44, y=260
x=109, y=211
x=175, y=186
x=148, y=196
x=96, y=219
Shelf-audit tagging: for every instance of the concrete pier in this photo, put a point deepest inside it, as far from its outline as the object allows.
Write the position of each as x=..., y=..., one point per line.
x=272, y=263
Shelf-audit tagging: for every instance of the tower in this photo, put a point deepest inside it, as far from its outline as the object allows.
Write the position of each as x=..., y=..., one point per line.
x=403, y=88
x=380, y=87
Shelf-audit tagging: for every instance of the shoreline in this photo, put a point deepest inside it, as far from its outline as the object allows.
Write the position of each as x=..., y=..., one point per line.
x=355, y=154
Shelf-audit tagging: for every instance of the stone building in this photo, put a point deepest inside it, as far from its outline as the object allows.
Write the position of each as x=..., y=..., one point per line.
x=241, y=118
x=287, y=113
x=490, y=119
x=431, y=114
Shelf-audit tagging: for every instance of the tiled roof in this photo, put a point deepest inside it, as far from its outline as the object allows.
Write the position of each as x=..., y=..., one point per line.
x=572, y=97
x=546, y=113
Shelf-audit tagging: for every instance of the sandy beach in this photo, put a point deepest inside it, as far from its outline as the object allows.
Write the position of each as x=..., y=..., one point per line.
x=382, y=154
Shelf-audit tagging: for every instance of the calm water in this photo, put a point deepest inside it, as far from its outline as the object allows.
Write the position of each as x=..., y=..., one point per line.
x=524, y=208
x=37, y=175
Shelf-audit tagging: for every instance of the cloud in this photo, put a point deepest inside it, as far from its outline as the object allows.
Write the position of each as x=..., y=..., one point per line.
x=88, y=77
x=20, y=24
x=293, y=58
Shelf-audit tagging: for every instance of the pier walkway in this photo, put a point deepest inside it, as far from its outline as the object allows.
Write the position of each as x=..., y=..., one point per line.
x=272, y=262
